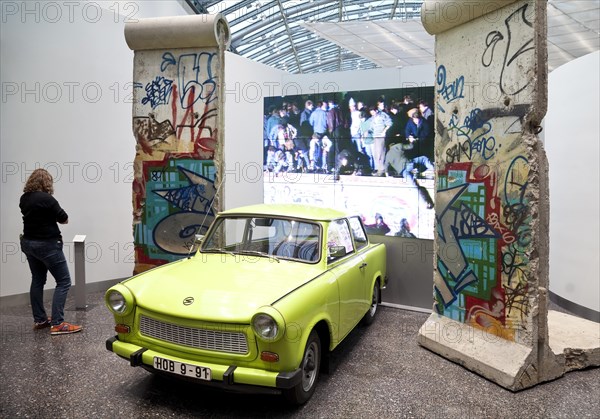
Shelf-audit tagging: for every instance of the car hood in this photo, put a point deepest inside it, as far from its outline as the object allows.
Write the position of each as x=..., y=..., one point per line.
x=224, y=288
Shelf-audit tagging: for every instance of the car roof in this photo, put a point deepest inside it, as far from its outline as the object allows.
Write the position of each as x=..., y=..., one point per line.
x=308, y=212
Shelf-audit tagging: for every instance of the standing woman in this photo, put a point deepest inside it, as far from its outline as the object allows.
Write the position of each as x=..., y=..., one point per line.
x=42, y=243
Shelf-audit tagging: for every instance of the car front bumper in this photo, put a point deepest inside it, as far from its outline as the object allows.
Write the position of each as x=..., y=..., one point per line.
x=230, y=377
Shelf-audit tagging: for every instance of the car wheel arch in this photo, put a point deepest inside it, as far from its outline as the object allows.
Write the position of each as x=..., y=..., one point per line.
x=378, y=280
x=324, y=332
x=323, y=328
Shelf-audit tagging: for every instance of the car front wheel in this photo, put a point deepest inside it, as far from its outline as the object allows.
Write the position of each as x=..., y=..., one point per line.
x=311, y=362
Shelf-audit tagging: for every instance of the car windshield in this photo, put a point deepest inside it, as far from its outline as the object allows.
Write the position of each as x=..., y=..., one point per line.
x=279, y=238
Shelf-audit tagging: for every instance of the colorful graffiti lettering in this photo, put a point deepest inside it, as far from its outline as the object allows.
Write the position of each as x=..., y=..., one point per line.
x=172, y=215
x=472, y=137
x=463, y=232
x=175, y=122
x=195, y=132
x=474, y=251
x=516, y=212
x=176, y=232
x=486, y=147
x=449, y=91
x=158, y=91
x=196, y=82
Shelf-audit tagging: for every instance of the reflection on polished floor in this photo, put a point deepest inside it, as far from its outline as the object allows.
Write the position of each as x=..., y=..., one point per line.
x=379, y=371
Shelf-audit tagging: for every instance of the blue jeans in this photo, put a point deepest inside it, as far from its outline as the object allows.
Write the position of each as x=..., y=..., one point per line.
x=369, y=152
x=44, y=256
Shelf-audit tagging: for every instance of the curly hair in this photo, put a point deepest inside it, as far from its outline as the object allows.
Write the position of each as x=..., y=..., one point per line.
x=39, y=181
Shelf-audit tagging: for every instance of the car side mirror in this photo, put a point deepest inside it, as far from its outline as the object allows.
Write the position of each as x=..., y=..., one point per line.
x=337, y=251
x=199, y=238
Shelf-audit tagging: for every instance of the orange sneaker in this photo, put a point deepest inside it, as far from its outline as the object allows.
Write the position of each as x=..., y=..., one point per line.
x=65, y=328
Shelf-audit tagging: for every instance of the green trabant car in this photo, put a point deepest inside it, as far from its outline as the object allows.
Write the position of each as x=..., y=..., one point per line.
x=270, y=292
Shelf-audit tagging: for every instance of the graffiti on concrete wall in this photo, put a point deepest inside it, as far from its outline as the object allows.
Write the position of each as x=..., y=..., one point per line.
x=483, y=199
x=175, y=124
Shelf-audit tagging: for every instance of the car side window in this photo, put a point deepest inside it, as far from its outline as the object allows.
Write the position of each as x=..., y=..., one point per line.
x=358, y=232
x=339, y=241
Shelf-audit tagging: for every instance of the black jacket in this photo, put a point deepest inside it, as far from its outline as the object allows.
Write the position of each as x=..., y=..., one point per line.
x=41, y=213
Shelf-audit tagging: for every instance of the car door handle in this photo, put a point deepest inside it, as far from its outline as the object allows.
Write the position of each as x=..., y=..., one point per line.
x=363, y=265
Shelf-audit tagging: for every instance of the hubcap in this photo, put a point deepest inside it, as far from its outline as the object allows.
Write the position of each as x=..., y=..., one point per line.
x=309, y=370
x=374, y=300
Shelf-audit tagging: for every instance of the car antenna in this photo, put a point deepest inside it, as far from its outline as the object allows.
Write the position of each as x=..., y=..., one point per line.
x=189, y=255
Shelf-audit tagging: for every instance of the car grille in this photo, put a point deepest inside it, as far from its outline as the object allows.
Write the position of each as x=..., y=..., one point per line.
x=212, y=340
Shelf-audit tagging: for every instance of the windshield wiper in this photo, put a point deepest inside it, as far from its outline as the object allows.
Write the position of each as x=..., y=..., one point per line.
x=221, y=250
x=258, y=253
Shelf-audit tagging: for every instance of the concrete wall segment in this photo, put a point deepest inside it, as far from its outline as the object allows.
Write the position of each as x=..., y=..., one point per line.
x=489, y=80
x=178, y=128
x=492, y=200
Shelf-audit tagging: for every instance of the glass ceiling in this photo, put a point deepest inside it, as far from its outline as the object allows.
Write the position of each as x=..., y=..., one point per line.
x=283, y=33
x=272, y=32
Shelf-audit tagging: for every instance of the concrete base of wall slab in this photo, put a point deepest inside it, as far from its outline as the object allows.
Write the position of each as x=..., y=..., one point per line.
x=574, y=343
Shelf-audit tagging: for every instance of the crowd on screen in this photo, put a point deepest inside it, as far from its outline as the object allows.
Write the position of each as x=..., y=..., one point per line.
x=368, y=139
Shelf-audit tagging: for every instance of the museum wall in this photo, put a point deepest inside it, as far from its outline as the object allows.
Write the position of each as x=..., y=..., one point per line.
x=386, y=78
x=571, y=138
x=246, y=83
x=66, y=106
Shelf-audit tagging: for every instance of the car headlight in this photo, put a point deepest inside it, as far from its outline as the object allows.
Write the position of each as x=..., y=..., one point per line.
x=116, y=301
x=268, y=324
x=265, y=326
x=119, y=300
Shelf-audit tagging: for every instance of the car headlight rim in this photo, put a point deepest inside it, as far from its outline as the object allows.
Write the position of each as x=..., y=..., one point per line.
x=267, y=327
x=116, y=301
x=119, y=300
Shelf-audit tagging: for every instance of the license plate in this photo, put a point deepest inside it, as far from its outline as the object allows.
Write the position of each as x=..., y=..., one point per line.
x=180, y=368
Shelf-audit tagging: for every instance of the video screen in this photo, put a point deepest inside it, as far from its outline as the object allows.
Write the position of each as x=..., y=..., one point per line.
x=369, y=152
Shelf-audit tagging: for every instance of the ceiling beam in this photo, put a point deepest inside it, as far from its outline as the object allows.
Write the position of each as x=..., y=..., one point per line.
x=292, y=10
x=198, y=6
x=339, y=49
x=394, y=9
x=287, y=28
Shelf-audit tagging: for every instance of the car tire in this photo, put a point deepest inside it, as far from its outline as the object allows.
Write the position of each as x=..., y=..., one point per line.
x=310, y=365
x=373, y=308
